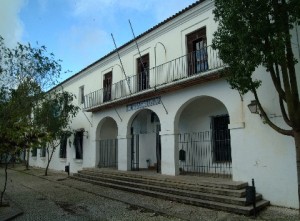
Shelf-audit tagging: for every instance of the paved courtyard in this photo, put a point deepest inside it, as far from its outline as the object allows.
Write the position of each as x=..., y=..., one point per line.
x=57, y=197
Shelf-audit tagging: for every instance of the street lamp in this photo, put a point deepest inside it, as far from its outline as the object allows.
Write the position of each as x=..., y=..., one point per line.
x=253, y=107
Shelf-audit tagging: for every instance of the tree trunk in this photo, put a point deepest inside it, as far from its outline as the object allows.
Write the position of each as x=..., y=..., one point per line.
x=49, y=160
x=5, y=182
x=297, y=145
x=27, y=159
x=46, y=170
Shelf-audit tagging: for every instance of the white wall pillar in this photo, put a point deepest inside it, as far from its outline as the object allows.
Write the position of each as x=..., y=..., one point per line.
x=237, y=141
x=169, y=153
x=124, y=153
x=97, y=152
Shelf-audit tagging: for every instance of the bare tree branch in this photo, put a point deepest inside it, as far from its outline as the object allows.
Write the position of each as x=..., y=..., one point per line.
x=276, y=81
x=284, y=114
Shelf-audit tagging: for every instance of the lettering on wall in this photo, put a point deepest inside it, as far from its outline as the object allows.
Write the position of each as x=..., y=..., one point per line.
x=143, y=104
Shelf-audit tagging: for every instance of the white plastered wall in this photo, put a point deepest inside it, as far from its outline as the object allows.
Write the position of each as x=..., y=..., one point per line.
x=257, y=151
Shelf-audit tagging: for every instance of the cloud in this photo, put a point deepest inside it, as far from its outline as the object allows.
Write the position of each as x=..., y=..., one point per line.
x=107, y=10
x=93, y=20
x=43, y=5
x=85, y=8
x=104, y=7
x=11, y=27
x=84, y=38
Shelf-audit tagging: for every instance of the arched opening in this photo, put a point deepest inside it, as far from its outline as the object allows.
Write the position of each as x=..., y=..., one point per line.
x=107, y=143
x=204, y=138
x=145, y=141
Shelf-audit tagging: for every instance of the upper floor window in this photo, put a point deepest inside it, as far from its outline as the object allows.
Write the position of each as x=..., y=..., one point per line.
x=107, y=84
x=143, y=65
x=81, y=95
x=197, y=51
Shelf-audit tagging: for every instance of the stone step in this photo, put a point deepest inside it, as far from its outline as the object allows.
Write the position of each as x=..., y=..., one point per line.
x=161, y=185
x=167, y=179
x=213, y=194
x=245, y=210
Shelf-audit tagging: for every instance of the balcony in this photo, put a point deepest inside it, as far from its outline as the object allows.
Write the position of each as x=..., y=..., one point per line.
x=194, y=68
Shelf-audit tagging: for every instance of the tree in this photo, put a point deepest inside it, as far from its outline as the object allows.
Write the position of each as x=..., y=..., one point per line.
x=258, y=33
x=27, y=134
x=5, y=150
x=16, y=127
x=25, y=73
x=53, y=116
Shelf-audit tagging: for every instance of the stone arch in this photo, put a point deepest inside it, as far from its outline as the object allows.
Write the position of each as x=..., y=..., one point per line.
x=105, y=122
x=134, y=117
x=204, y=103
x=203, y=136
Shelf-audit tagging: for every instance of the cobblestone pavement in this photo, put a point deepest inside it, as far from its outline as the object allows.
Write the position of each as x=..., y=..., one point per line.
x=57, y=197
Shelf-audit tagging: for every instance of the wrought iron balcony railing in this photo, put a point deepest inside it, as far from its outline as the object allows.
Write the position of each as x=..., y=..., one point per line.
x=194, y=63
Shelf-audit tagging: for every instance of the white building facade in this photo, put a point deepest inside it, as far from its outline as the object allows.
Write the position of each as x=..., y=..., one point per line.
x=168, y=109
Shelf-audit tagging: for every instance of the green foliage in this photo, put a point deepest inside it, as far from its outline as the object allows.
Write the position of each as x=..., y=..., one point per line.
x=254, y=33
x=16, y=120
x=26, y=62
x=25, y=72
x=258, y=33
x=54, y=114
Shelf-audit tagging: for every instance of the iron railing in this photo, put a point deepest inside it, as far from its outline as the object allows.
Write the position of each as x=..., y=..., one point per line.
x=195, y=63
x=205, y=153
x=108, y=153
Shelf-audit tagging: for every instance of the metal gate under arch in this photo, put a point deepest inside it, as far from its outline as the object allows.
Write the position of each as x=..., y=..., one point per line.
x=108, y=153
x=205, y=153
x=135, y=153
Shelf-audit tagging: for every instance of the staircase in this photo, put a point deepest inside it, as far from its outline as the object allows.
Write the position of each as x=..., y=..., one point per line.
x=213, y=193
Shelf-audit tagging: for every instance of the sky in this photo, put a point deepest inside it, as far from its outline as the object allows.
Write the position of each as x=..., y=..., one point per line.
x=79, y=31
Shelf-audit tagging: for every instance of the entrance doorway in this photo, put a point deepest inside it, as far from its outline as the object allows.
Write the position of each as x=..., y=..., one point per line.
x=145, y=142
x=221, y=138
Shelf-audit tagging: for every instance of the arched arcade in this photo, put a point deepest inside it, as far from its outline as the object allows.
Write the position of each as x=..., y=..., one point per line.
x=203, y=137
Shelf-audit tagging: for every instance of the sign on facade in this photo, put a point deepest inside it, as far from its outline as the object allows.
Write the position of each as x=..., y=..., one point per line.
x=143, y=104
